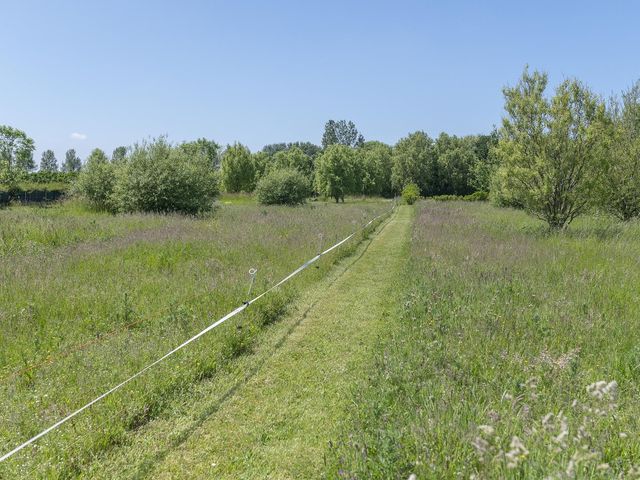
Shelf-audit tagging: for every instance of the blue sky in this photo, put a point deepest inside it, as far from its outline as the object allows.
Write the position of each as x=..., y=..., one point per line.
x=101, y=74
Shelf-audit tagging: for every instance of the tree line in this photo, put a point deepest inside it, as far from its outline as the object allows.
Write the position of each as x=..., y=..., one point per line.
x=346, y=164
x=556, y=156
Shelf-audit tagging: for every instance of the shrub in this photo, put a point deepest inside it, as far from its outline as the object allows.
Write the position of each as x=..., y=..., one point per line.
x=446, y=198
x=158, y=177
x=411, y=193
x=96, y=181
x=473, y=197
x=284, y=186
x=51, y=177
x=477, y=197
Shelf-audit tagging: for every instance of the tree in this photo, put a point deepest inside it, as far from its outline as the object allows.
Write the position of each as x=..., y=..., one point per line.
x=48, y=162
x=72, y=162
x=415, y=161
x=551, y=150
x=274, y=148
x=262, y=162
x=294, y=158
x=376, y=160
x=238, y=171
x=487, y=161
x=119, y=154
x=456, y=158
x=342, y=132
x=308, y=148
x=620, y=188
x=16, y=155
x=202, y=146
x=335, y=172
x=96, y=181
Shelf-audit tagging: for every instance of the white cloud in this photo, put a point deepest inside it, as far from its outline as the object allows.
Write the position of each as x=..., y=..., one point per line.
x=78, y=136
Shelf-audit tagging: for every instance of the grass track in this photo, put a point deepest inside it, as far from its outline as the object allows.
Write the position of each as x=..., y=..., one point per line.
x=279, y=423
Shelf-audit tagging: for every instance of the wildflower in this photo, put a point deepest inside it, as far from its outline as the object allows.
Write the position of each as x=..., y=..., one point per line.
x=602, y=390
x=481, y=446
x=633, y=472
x=486, y=429
x=561, y=438
x=517, y=453
x=547, y=419
x=493, y=416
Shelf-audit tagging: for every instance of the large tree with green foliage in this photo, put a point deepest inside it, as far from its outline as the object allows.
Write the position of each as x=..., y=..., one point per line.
x=620, y=188
x=119, y=154
x=262, y=162
x=16, y=155
x=308, y=148
x=294, y=158
x=456, y=159
x=551, y=149
x=202, y=146
x=335, y=172
x=415, y=161
x=341, y=132
x=238, y=171
x=375, y=161
x=72, y=162
x=48, y=162
x=487, y=161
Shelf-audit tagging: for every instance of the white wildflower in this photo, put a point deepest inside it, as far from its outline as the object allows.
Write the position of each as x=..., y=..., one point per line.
x=487, y=430
x=546, y=420
x=481, y=446
x=603, y=390
x=517, y=453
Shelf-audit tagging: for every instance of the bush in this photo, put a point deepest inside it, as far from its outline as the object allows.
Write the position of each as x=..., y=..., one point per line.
x=96, y=181
x=51, y=177
x=284, y=186
x=411, y=193
x=477, y=197
x=445, y=198
x=473, y=197
x=158, y=177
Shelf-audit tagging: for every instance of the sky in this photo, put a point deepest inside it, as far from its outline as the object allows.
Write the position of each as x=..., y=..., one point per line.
x=86, y=74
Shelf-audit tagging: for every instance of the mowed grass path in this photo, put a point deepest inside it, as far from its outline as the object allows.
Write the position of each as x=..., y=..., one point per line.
x=279, y=423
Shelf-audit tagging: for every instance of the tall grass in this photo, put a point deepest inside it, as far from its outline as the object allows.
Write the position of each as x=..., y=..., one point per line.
x=516, y=354
x=88, y=298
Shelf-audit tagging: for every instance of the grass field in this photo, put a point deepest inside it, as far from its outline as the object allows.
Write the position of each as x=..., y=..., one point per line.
x=461, y=341
x=515, y=354
x=89, y=298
